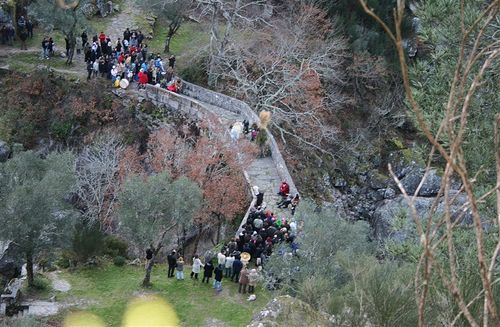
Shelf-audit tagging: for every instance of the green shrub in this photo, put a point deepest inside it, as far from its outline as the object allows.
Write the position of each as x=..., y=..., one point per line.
x=115, y=246
x=88, y=240
x=119, y=261
x=66, y=259
x=40, y=283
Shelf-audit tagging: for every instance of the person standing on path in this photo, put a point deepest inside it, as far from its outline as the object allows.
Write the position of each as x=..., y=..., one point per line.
x=171, y=61
x=196, y=267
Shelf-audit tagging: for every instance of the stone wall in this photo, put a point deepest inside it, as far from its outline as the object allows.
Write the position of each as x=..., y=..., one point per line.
x=243, y=109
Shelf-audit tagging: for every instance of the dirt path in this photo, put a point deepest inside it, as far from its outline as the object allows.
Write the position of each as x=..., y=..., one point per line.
x=126, y=18
x=59, y=284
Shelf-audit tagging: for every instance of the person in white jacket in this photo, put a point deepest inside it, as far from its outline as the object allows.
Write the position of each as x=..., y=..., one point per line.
x=221, y=259
x=196, y=267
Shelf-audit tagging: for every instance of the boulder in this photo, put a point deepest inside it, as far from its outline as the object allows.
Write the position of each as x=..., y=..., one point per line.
x=4, y=151
x=429, y=188
x=11, y=262
x=89, y=10
x=290, y=312
x=393, y=218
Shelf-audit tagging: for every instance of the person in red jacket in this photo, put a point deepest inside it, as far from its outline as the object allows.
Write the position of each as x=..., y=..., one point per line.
x=284, y=189
x=102, y=37
x=143, y=78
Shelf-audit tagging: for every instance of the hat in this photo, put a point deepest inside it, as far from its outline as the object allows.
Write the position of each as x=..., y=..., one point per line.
x=114, y=66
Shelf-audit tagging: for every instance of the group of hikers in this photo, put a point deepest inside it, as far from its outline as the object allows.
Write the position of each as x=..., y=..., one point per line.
x=24, y=31
x=128, y=60
x=263, y=231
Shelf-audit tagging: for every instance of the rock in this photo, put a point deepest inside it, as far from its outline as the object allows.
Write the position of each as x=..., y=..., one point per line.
x=4, y=151
x=89, y=10
x=11, y=262
x=393, y=218
x=430, y=187
x=377, y=180
x=389, y=193
x=292, y=312
x=400, y=163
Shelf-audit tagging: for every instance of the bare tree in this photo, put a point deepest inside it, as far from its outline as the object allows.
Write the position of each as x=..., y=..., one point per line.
x=233, y=12
x=97, y=168
x=293, y=69
x=477, y=55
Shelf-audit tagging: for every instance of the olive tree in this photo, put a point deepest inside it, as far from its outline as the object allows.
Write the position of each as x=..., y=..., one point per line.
x=65, y=16
x=151, y=207
x=33, y=212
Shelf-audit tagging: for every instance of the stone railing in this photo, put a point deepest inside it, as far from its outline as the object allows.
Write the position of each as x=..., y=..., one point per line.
x=237, y=106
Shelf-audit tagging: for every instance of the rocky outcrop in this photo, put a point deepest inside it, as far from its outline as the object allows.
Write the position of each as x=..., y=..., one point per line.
x=286, y=311
x=4, y=151
x=10, y=262
x=393, y=218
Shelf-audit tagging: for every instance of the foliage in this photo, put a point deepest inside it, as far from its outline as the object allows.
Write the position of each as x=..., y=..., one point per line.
x=68, y=17
x=174, y=11
x=149, y=206
x=40, y=283
x=432, y=75
x=32, y=207
x=115, y=246
x=364, y=33
x=324, y=237
x=88, y=240
x=119, y=261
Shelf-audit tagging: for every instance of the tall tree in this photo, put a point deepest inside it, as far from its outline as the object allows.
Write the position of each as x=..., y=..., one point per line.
x=63, y=15
x=151, y=207
x=33, y=213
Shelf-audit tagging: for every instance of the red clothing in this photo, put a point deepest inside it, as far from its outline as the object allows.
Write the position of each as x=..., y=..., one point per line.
x=121, y=58
x=102, y=37
x=143, y=78
x=284, y=188
x=172, y=87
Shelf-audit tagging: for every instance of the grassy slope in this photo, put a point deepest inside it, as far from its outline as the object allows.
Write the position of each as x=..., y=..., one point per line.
x=112, y=287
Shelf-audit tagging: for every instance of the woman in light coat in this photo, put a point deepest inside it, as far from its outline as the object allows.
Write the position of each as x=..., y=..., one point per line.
x=253, y=278
x=196, y=267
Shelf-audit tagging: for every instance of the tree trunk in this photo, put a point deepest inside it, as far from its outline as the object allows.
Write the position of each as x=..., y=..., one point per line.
x=146, y=282
x=197, y=241
x=166, y=49
x=29, y=268
x=219, y=226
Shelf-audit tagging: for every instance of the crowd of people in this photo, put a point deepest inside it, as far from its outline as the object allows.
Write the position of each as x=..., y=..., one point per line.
x=128, y=59
x=253, y=246
x=24, y=31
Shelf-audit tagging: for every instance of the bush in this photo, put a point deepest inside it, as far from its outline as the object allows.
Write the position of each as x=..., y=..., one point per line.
x=88, y=240
x=115, y=246
x=119, y=261
x=66, y=260
x=40, y=283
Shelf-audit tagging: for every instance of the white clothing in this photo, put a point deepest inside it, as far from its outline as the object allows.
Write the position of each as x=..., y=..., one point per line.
x=197, y=265
x=221, y=258
x=229, y=262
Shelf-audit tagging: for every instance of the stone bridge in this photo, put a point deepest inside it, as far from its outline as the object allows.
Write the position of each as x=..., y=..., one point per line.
x=267, y=173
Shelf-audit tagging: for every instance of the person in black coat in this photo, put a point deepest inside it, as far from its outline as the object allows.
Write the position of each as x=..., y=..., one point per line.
x=218, y=279
x=172, y=262
x=149, y=251
x=207, y=271
x=237, y=266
